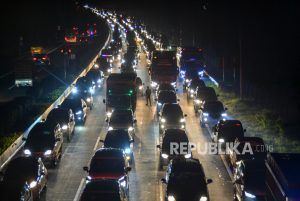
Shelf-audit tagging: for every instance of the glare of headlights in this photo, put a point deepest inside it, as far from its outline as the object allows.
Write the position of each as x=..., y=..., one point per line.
x=192, y=91
x=27, y=152
x=205, y=114
x=64, y=127
x=224, y=115
x=221, y=140
x=33, y=184
x=130, y=128
x=48, y=152
x=188, y=156
x=108, y=114
x=79, y=112
x=96, y=66
x=163, y=120
x=110, y=128
x=127, y=151
x=249, y=195
x=187, y=80
x=123, y=183
x=165, y=156
x=74, y=90
x=197, y=101
x=99, y=81
x=171, y=198
x=88, y=99
x=203, y=198
x=182, y=120
x=140, y=87
x=182, y=126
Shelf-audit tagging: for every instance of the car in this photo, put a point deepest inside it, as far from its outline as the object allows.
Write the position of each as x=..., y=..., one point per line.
x=65, y=118
x=104, y=190
x=258, y=150
x=119, y=139
x=15, y=191
x=109, y=163
x=185, y=180
x=165, y=87
x=27, y=170
x=249, y=180
x=211, y=112
x=192, y=86
x=122, y=119
x=78, y=106
x=41, y=59
x=44, y=141
x=104, y=65
x=171, y=116
x=227, y=131
x=96, y=77
x=179, y=139
x=109, y=54
x=163, y=97
x=203, y=94
x=87, y=96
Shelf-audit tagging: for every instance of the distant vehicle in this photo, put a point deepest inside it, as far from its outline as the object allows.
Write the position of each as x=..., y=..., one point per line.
x=282, y=177
x=70, y=38
x=119, y=139
x=122, y=119
x=78, y=106
x=171, y=116
x=227, y=131
x=211, y=112
x=192, y=87
x=104, y=65
x=105, y=190
x=24, y=173
x=44, y=141
x=91, y=29
x=108, y=53
x=165, y=97
x=170, y=136
x=109, y=163
x=257, y=146
x=249, y=180
x=185, y=180
x=41, y=59
x=203, y=94
x=65, y=118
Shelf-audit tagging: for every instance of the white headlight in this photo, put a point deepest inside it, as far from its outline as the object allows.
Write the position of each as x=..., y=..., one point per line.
x=27, y=152
x=205, y=114
x=159, y=104
x=153, y=84
x=79, y=112
x=123, y=183
x=197, y=101
x=64, y=127
x=74, y=90
x=187, y=80
x=224, y=115
x=182, y=120
x=88, y=99
x=127, y=151
x=163, y=120
x=192, y=91
x=108, y=114
x=221, y=140
x=48, y=152
x=99, y=81
x=140, y=87
x=249, y=195
x=33, y=184
x=171, y=198
x=188, y=156
x=96, y=66
x=165, y=156
x=203, y=198
x=110, y=128
x=130, y=128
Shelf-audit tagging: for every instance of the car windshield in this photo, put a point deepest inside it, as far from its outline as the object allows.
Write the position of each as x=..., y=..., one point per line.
x=119, y=101
x=258, y=150
x=166, y=87
x=174, y=138
x=107, y=165
x=58, y=116
x=231, y=131
x=187, y=182
x=99, y=195
x=167, y=97
x=213, y=107
x=208, y=96
x=121, y=118
x=172, y=110
x=71, y=104
x=196, y=83
x=40, y=135
x=117, y=141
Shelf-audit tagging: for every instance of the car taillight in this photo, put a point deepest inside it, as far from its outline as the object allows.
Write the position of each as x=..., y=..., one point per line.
x=69, y=50
x=237, y=125
x=34, y=58
x=44, y=58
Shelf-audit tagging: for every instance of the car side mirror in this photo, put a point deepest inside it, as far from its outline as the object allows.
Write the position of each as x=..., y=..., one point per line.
x=104, y=101
x=128, y=169
x=208, y=181
x=158, y=146
x=185, y=115
x=245, y=130
x=24, y=138
x=163, y=180
x=85, y=168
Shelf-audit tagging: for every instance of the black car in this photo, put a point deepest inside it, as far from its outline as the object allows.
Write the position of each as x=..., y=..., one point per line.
x=41, y=59
x=109, y=163
x=185, y=180
x=204, y=94
x=173, y=138
x=104, y=190
x=28, y=174
x=122, y=119
x=249, y=180
x=44, y=141
x=84, y=88
x=65, y=118
x=192, y=86
x=163, y=97
x=78, y=106
x=96, y=77
x=212, y=112
x=104, y=65
x=120, y=139
x=227, y=131
x=165, y=87
x=171, y=116
x=15, y=191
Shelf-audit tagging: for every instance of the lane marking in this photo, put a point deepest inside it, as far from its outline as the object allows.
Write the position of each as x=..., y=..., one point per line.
x=79, y=189
x=97, y=142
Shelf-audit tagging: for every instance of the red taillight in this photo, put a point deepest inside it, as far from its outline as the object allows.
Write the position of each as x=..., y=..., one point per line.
x=69, y=51
x=237, y=125
x=44, y=58
x=62, y=51
x=94, y=24
x=199, y=49
x=34, y=58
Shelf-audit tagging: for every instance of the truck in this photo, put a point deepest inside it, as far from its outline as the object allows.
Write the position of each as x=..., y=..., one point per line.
x=121, y=92
x=163, y=68
x=282, y=179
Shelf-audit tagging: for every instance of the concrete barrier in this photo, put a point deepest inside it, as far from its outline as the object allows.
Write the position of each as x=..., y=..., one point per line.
x=10, y=152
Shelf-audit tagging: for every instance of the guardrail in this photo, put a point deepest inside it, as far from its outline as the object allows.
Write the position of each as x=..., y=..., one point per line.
x=10, y=152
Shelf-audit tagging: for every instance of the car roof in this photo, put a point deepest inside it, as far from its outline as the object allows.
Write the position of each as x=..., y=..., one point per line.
x=109, y=152
x=171, y=131
x=166, y=92
x=255, y=140
x=102, y=185
x=122, y=111
x=183, y=164
x=22, y=162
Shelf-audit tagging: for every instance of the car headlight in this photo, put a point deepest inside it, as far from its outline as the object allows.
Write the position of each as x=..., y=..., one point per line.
x=182, y=120
x=140, y=87
x=224, y=115
x=197, y=101
x=108, y=114
x=110, y=128
x=33, y=184
x=205, y=114
x=192, y=91
x=187, y=155
x=187, y=80
x=88, y=100
x=64, y=127
x=91, y=90
x=96, y=66
x=48, y=152
x=79, y=112
x=27, y=152
x=159, y=104
x=74, y=90
x=130, y=128
x=221, y=140
x=163, y=120
x=127, y=151
x=249, y=195
x=165, y=156
x=203, y=198
x=99, y=81
x=171, y=198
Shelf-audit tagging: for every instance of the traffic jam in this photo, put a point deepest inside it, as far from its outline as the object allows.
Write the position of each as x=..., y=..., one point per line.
x=255, y=172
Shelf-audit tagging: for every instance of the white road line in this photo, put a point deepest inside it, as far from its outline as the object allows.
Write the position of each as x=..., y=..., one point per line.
x=79, y=189
x=97, y=142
